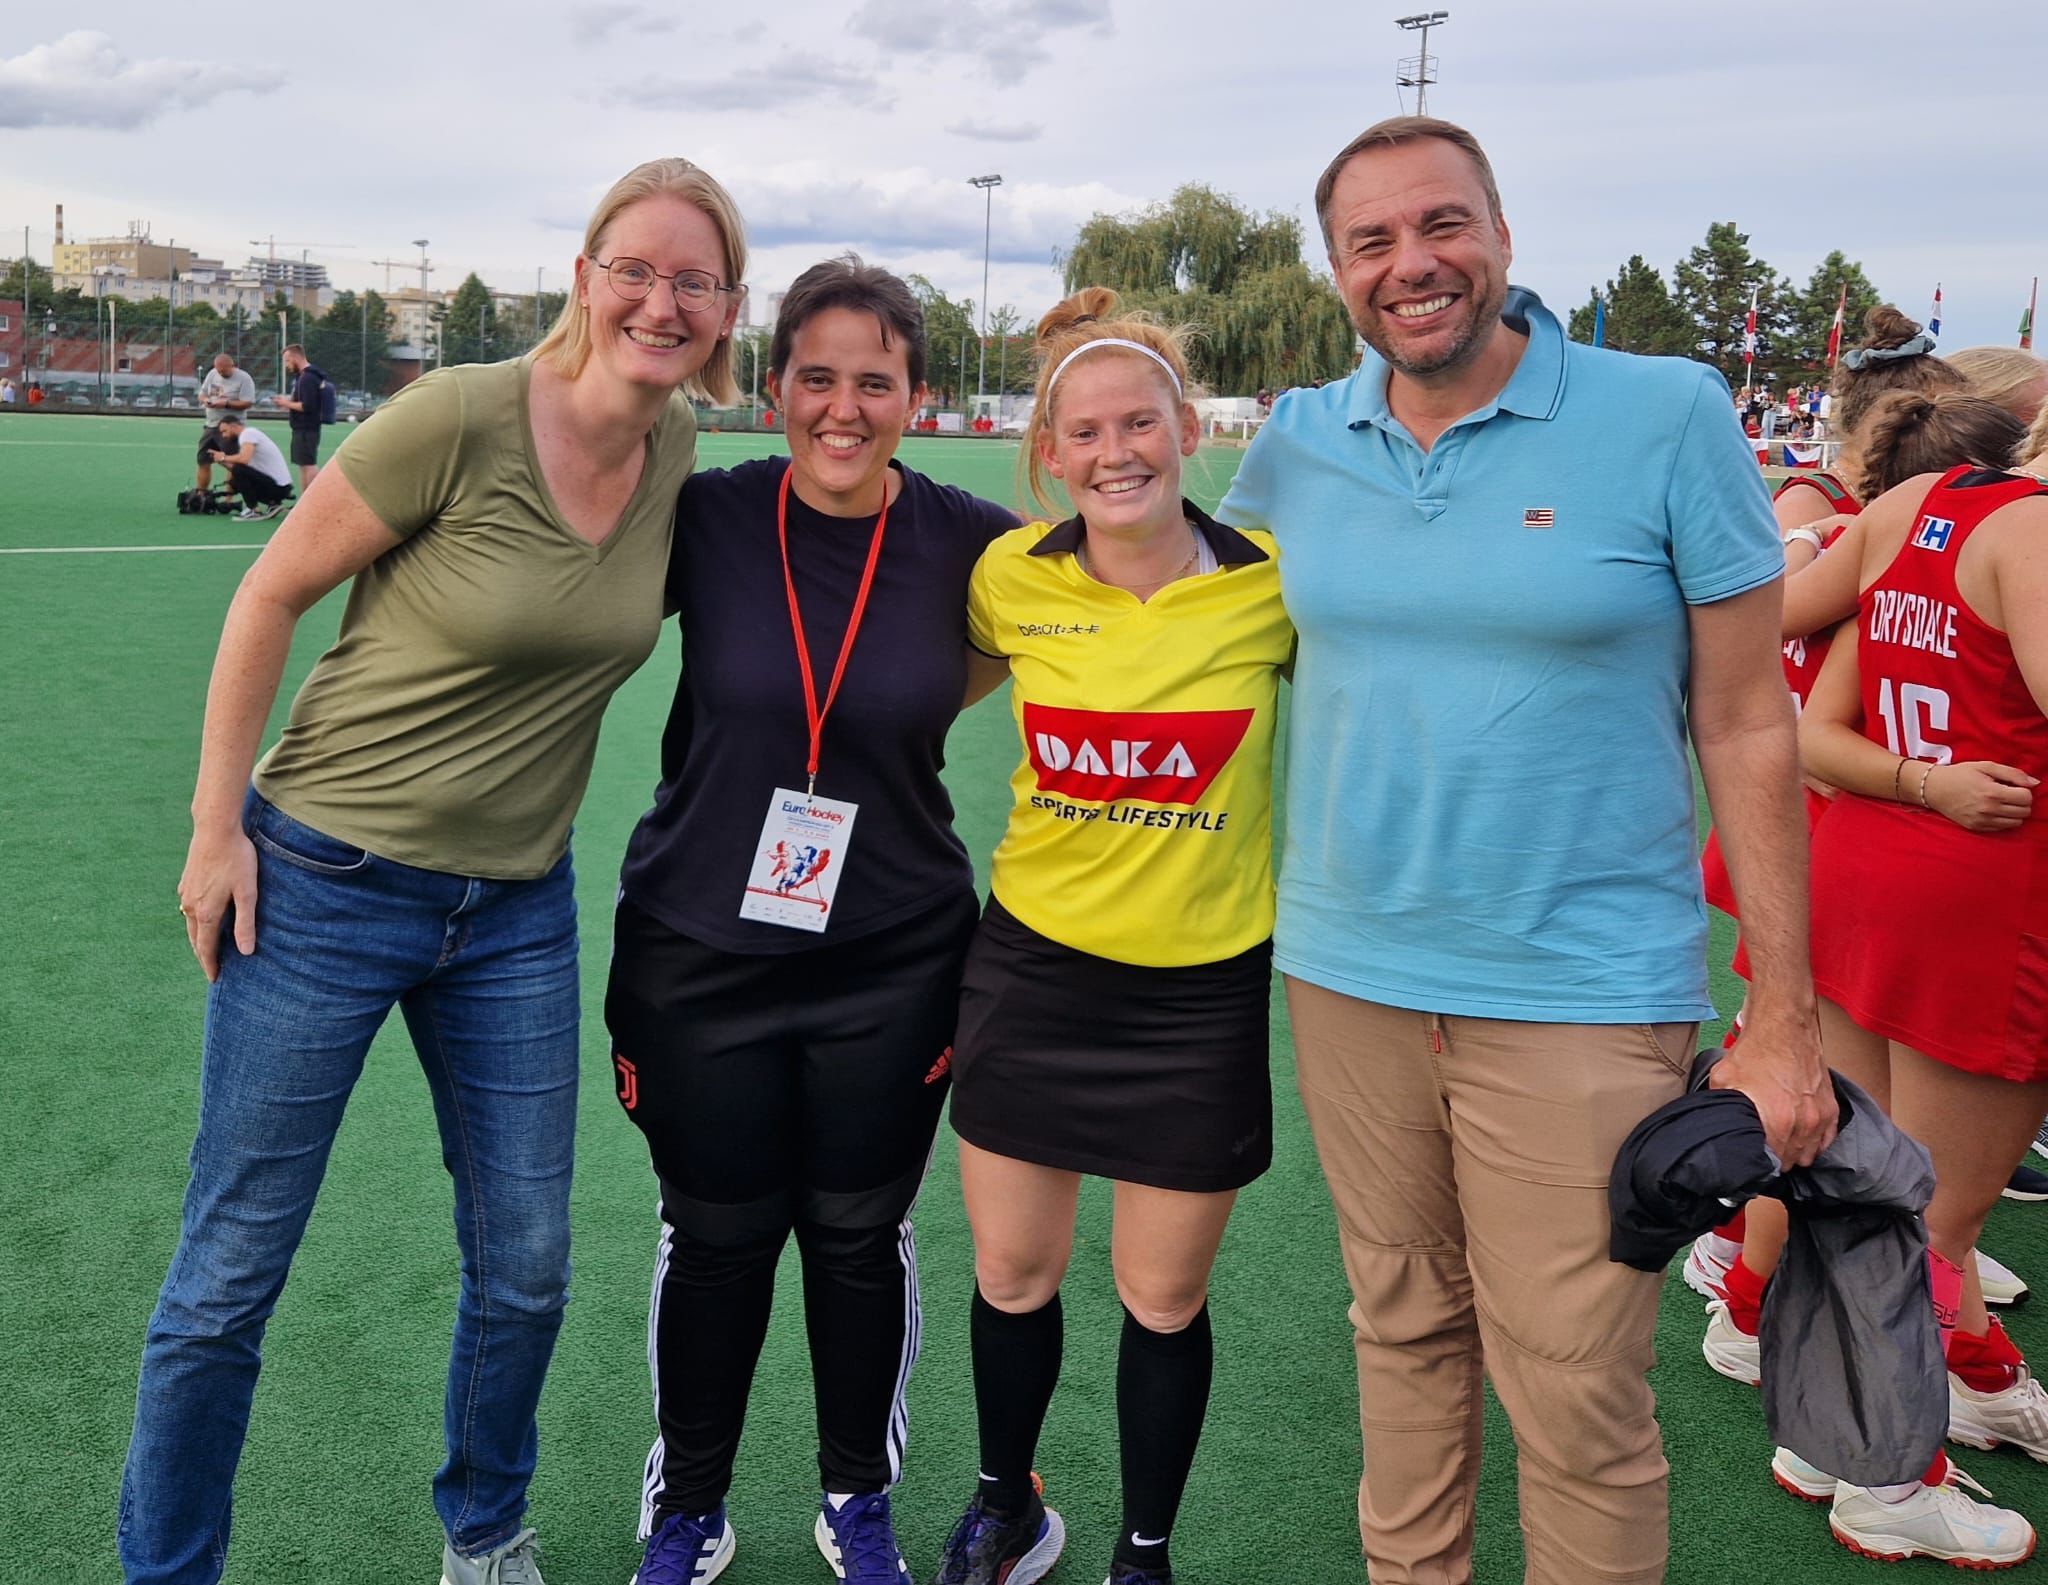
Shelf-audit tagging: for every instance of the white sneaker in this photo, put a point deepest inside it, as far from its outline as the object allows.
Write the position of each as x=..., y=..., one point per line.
x=1807, y=1482
x=1707, y=1263
x=1729, y=1349
x=1935, y=1521
x=2016, y=1417
x=2002, y=1285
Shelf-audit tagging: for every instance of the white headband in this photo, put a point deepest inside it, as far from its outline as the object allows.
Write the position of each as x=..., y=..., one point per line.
x=1113, y=341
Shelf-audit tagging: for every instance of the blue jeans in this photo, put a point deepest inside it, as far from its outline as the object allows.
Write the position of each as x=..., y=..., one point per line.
x=485, y=974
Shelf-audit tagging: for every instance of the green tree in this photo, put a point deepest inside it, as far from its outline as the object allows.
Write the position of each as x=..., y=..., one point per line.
x=38, y=281
x=351, y=342
x=1203, y=259
x=1641, y=316
x=464, y=323
x=949, y=342
x=1009, y=351
x=1712, y=286
x=1811, y=313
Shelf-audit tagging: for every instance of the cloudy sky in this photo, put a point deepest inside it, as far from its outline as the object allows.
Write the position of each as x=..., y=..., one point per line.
x=1908, y=135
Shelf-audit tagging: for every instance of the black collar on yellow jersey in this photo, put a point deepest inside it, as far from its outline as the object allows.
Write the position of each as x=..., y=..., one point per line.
x=1230, y=548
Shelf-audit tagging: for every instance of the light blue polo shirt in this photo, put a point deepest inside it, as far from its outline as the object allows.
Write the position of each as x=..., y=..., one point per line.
x=1489, y=801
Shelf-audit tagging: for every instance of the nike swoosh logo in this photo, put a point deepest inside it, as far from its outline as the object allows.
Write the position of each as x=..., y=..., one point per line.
x=1140, y=1540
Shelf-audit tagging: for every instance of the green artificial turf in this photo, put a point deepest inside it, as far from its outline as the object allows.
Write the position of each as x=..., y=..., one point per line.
x=103, y=665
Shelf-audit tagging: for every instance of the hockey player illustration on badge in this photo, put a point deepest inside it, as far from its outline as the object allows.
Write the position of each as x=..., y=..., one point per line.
x=794, y=871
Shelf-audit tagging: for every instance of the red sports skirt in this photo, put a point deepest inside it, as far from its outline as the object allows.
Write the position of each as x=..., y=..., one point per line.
x=1721, y=890
x=1934, y=936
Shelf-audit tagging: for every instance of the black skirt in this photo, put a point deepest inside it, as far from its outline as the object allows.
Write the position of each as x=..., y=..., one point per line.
x=1145, y=1075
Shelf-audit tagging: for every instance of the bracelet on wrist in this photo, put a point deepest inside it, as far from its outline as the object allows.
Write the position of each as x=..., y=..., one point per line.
x=1925, y=777
x=1810, y=535
x=1898, y=770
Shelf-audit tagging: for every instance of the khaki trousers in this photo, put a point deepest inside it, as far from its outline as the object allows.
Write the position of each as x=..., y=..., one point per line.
x=1468, y=1159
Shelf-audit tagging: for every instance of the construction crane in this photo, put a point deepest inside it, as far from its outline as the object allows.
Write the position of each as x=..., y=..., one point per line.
x=389, y=265
x=271, y=243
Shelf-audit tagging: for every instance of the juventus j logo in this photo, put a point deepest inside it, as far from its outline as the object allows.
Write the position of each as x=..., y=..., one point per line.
x=629, y=1082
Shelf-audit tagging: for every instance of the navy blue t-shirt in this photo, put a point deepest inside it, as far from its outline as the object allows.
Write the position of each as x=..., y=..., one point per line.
x=306, y=392
x=738, y=730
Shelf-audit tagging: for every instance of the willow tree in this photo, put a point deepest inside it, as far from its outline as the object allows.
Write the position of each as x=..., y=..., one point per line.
x=1201, y=258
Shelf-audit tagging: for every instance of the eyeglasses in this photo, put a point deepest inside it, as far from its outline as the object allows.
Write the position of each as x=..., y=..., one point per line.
x=696, y=290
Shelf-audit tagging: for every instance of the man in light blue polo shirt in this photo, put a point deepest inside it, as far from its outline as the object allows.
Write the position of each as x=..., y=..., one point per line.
x=1524, y=571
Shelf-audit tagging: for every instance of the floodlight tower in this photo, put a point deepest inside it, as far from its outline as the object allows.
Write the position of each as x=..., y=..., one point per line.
x=988, y=185
x=1415, y=72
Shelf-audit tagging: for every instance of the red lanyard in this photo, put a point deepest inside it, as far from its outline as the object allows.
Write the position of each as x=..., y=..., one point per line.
x=812, y=709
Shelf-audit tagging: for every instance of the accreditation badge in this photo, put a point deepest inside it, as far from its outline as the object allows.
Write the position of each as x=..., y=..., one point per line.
x=798, y=861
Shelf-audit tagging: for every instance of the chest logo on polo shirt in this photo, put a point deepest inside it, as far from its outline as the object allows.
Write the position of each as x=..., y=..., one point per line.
x=1158, y=756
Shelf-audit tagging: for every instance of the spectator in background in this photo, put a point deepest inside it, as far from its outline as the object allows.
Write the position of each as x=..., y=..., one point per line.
x=225, y=391
x=305, y=407
x=7, y=397
x=36, y=394
x=256, y=469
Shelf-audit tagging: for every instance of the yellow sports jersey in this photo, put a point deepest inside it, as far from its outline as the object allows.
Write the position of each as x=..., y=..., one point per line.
x=1142, y=826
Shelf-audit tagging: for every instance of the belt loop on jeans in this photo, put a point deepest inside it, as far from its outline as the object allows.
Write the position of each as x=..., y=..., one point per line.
x=1434, y=1022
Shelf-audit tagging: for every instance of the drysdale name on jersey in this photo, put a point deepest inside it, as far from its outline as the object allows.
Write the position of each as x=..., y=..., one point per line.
x=1913, y=620
x=1152, y=756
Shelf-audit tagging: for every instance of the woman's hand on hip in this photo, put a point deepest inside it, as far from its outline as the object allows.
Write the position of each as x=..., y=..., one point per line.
x=220, y=875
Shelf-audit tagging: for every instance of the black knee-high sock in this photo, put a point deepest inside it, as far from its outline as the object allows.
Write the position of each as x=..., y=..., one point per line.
x=1162, y=1395
x=1016, y=1364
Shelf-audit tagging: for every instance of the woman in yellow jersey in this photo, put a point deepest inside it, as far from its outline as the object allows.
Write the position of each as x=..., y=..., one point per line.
x=1113, y=1015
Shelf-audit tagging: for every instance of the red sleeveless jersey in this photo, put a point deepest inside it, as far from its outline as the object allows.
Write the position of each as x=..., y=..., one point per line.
x=1938, y=684
x=1804, y=655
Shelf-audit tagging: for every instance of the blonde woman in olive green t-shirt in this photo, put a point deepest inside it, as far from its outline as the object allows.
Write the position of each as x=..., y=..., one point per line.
x=405, y=843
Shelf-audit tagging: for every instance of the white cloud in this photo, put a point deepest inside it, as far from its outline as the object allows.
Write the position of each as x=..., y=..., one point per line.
x=893, y=211
x=765, y=87
x=593, y=24
x=83, y=80
x=1004, y=36
x=1015, y=132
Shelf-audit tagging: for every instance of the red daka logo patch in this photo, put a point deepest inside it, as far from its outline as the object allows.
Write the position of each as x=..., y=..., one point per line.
x=1158, y=756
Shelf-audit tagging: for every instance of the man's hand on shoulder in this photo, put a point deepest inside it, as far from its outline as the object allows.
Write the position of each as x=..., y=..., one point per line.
x=1777, y=1063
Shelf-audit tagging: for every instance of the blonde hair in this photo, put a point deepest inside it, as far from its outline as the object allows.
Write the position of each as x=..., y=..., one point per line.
x=2006, y=375
x=1091, y=314
x=2034, y=448
x=567, y=345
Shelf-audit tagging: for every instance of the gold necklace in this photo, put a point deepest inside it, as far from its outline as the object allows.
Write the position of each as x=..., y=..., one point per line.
x=1194, y=557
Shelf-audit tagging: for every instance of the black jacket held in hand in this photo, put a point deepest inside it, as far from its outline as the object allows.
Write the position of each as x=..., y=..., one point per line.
x=1853, y=1378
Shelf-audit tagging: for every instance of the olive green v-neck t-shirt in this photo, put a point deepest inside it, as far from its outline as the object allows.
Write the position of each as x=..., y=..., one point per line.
x=453, y=723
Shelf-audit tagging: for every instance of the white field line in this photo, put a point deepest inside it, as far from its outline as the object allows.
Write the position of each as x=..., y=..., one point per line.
x=109, y=550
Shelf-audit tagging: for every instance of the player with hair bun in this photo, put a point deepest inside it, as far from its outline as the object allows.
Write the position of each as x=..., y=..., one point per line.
x=1814, y=509
x=1931, y=715
x=1114, y=1009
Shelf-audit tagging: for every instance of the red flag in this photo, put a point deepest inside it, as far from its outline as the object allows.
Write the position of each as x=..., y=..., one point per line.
x=1835, y=330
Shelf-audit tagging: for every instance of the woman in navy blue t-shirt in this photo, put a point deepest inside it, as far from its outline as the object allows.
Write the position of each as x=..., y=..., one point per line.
x=794, y=911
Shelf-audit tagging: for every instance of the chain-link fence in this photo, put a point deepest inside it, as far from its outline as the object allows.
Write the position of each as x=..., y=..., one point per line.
x=116, y=356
